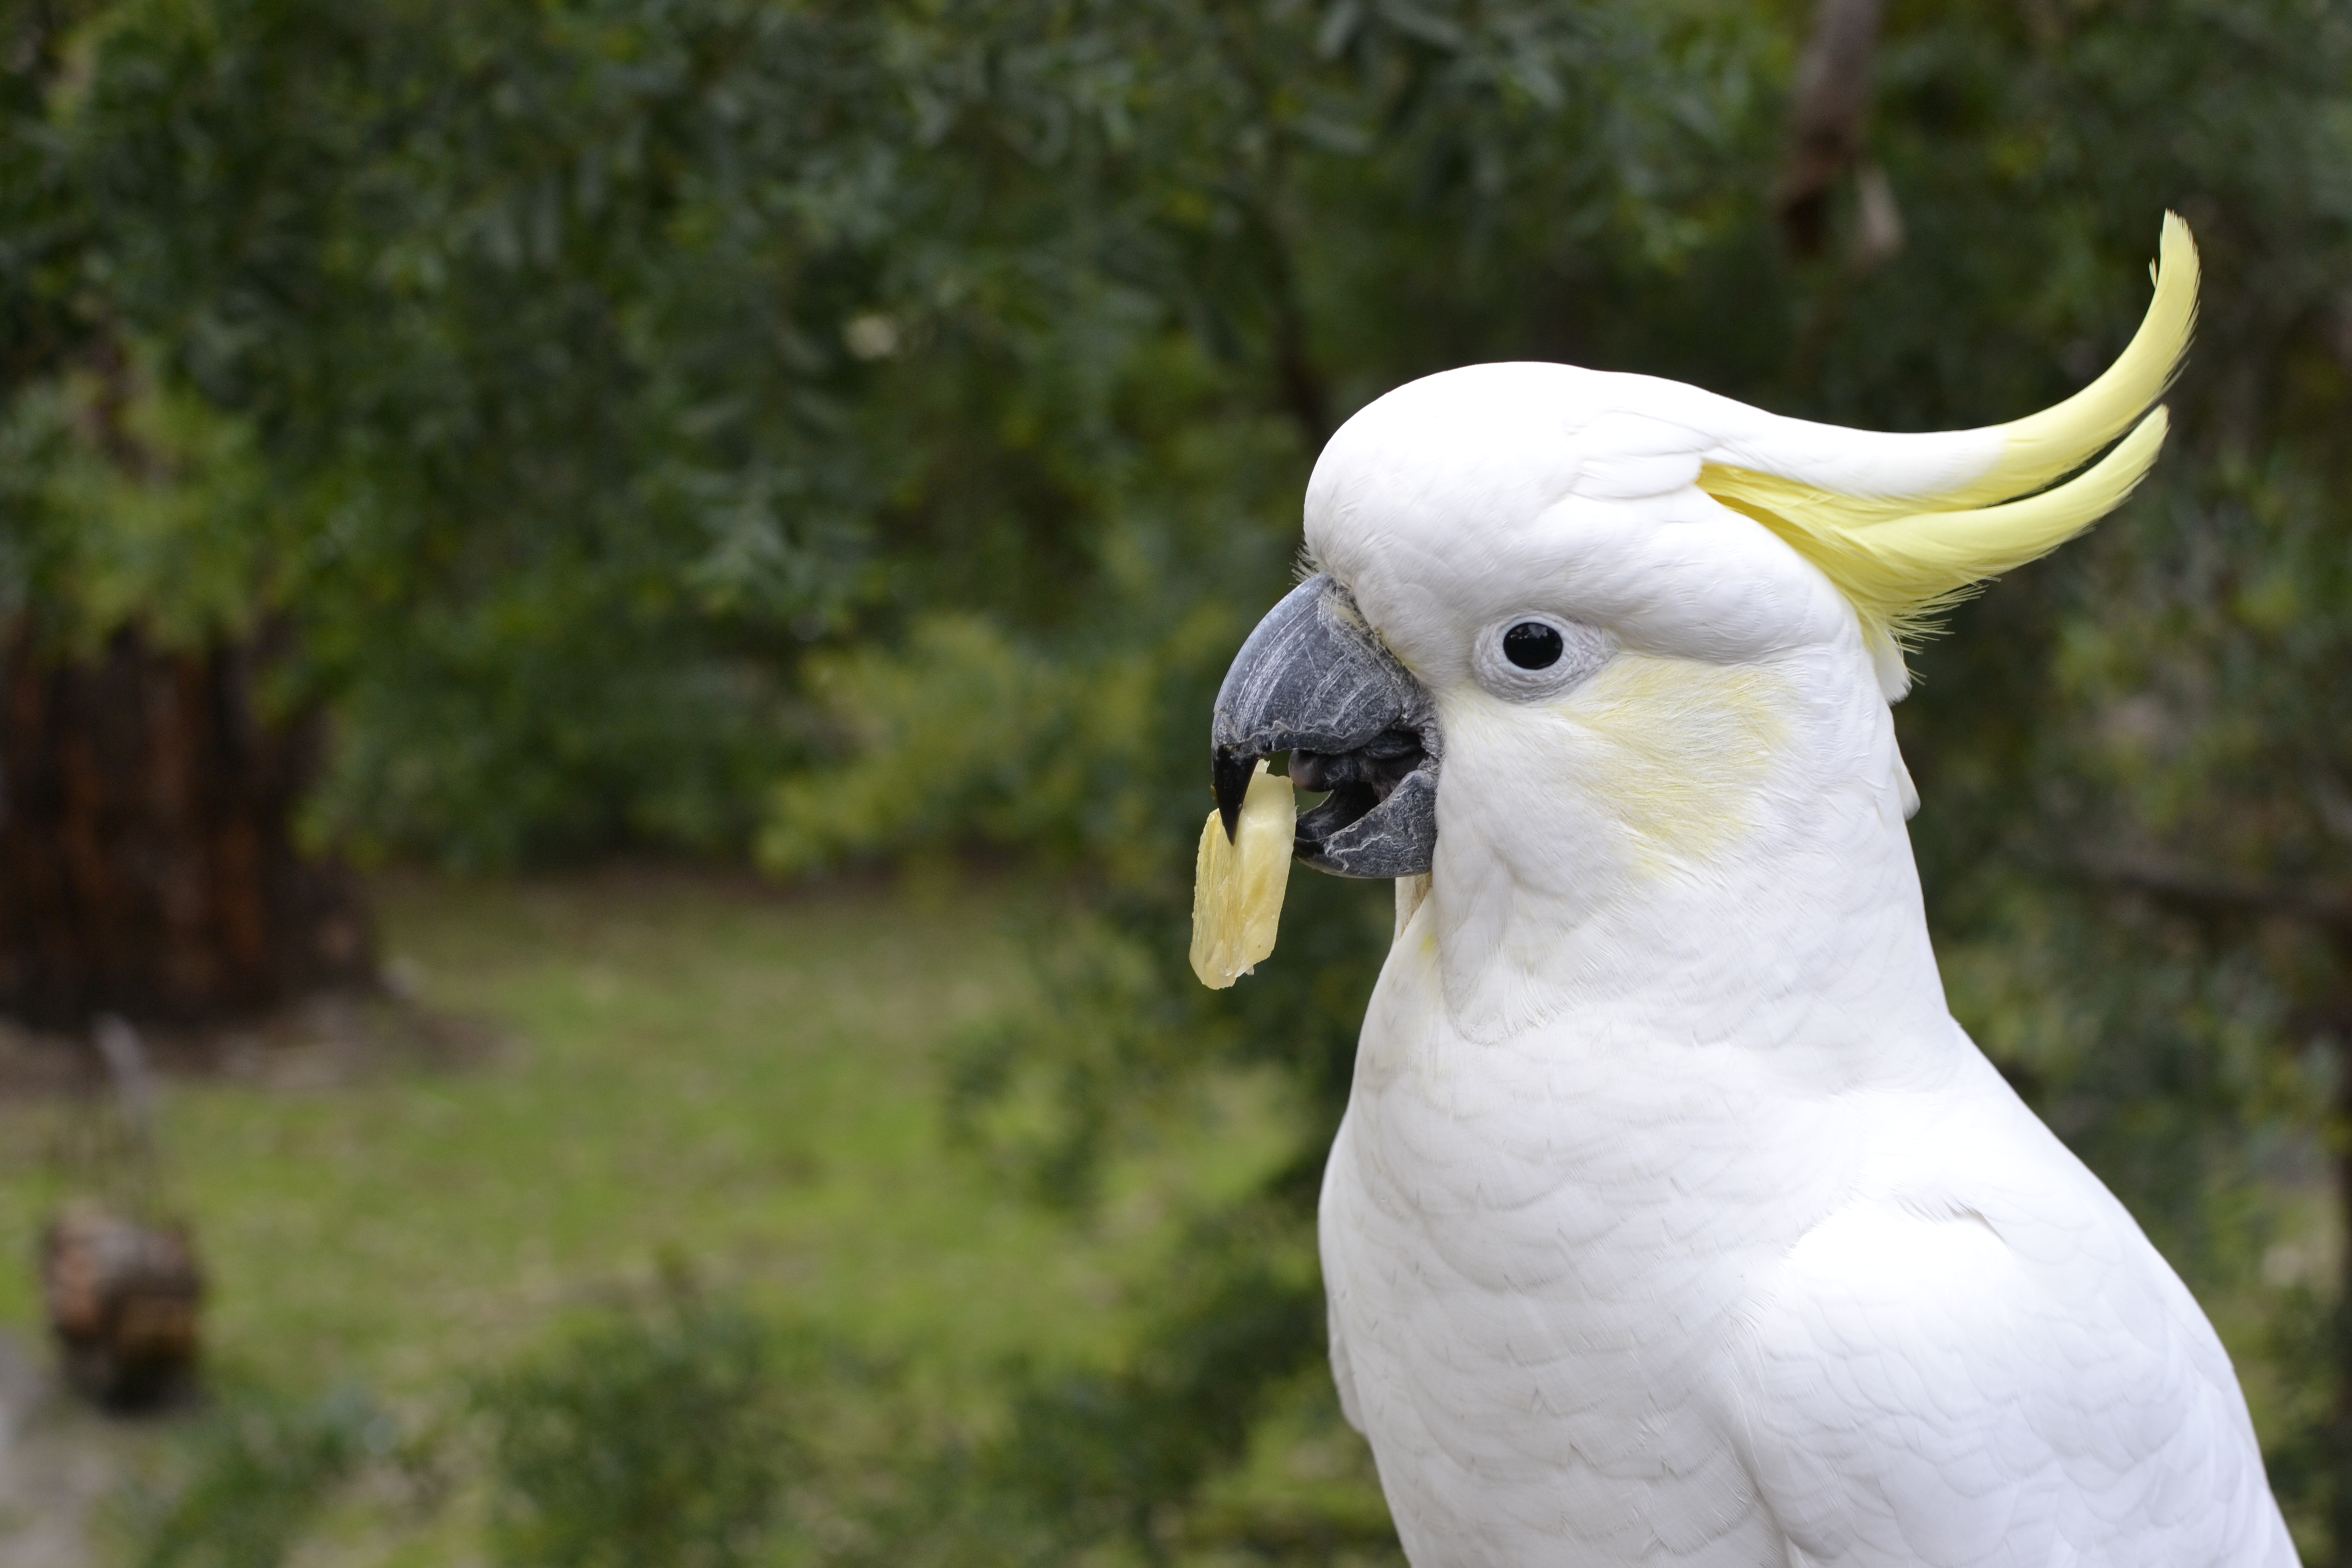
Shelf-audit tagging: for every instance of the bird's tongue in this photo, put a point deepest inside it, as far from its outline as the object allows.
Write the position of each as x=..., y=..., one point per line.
x=1358, y=781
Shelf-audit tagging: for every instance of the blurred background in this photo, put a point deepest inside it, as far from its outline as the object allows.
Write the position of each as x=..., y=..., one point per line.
x=607, y=616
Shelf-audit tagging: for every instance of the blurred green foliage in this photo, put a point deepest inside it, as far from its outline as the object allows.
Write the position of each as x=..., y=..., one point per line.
x=839, y=432
x=683, y=1427
x=255, y=1469
x=666, y=1436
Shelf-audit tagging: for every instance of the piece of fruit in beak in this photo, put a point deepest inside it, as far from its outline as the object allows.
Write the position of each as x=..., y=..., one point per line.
x=1237, y=884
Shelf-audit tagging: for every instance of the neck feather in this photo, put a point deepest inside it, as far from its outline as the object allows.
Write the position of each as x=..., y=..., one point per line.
x=1684, y=854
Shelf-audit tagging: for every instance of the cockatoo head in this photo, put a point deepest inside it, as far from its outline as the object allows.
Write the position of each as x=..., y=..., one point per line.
x=1569, y=564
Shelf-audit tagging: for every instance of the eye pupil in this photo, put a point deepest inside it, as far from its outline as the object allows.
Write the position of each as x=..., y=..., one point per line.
x=1531, y=645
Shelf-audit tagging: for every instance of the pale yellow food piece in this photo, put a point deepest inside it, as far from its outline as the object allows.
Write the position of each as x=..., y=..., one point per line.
x=1237, y=885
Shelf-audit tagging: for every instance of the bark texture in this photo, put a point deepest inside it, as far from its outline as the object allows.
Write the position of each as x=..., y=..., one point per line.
x=147, y=864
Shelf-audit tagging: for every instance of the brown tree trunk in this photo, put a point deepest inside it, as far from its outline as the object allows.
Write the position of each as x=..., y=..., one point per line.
x=1833, y=93
x=147, y=865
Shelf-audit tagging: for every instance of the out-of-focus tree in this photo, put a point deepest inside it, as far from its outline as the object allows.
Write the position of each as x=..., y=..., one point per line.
x=536, y=315
x=147, y=858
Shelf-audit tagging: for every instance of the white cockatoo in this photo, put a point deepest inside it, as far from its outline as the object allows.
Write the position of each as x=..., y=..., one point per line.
x=1674, y=1219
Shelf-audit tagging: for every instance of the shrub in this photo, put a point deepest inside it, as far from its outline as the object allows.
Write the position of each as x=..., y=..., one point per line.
x=662, y=1436
x=259, y=1467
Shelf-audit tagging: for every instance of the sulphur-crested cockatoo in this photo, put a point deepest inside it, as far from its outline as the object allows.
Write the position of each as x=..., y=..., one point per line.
x=1674, y=1220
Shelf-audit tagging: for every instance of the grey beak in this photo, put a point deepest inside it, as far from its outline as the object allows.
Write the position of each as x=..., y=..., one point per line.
x=1315, y=680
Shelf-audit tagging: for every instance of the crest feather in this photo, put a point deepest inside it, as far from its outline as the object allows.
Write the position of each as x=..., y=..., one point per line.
x=1902, y=559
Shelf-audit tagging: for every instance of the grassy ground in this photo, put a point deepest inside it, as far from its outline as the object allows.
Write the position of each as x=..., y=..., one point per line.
x=684, y=1069
x=678, y=1067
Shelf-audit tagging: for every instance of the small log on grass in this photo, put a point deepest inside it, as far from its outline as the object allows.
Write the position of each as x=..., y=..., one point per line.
x=123, y=1299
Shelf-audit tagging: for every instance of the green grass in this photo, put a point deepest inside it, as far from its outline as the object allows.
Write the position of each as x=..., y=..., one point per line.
x=689, y=1068
x=686, y=1069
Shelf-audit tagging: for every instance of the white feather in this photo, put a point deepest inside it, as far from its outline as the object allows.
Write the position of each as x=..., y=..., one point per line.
x=1673, y=1218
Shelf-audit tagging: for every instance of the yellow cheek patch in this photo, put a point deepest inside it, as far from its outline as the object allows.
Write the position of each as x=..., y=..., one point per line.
x=1237, y=885
x=1678, y=750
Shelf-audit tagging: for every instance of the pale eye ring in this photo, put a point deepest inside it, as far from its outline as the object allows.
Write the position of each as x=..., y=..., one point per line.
x=1534, y=656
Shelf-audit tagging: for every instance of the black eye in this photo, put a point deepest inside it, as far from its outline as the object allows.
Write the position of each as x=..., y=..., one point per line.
x=1531, y=645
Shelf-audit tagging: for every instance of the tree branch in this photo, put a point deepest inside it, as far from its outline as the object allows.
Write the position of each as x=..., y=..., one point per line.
x=2213, y=894
x=1825, y=121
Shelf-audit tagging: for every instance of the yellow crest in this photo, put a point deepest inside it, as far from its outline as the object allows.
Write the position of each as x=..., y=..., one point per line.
x=1900, y=559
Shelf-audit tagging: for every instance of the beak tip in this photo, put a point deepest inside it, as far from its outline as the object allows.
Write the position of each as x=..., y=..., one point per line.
x=1230, y=773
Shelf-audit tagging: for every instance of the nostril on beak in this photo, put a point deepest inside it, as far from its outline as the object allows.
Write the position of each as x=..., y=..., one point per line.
x=1230, y=773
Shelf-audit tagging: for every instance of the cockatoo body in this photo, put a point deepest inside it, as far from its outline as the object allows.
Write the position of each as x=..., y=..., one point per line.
x=1674, y=1219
